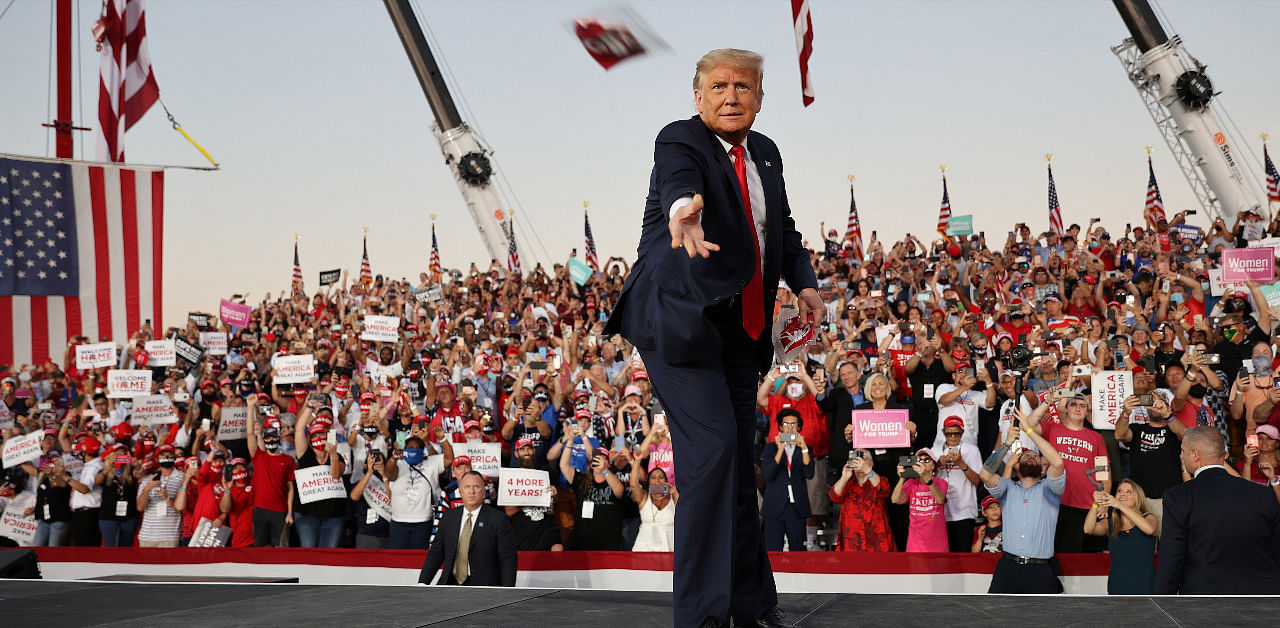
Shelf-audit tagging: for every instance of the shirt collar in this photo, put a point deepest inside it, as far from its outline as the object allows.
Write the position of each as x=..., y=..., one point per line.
x=728, y=147
x=1208, y=466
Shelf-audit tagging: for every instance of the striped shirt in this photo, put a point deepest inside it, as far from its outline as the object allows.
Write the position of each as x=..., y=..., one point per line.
x=161, y=522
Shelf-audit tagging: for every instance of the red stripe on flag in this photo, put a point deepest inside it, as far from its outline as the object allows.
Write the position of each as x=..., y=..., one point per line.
x=74, y=319
x=157, y=247
x=39, y=330
x=6, y=324
x=101, y=249
x=129, y=222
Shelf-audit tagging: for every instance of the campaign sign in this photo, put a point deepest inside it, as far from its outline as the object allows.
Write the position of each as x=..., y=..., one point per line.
x=188, y=353
x=6, y=416
x=578, y=271
x=207, y=535
x=16, y=526
x=1249, y=265
x=233, y=313
x=215, y=342
x=295, y=369
x=381, y=328
x=201, y=320
x=790, y=334
x=880, y=429
x=1189, y=232
x=128, y=383
x=1110, y=389
x=316, y=483
x=486, y=458
x=234, y=423
x=329, y=277
x=378, y=497
x=20, y=449
x=154, y=410
x=427, y=294
x=162, y=353
x=95, y=355
x=960, y=226
x=523, y=487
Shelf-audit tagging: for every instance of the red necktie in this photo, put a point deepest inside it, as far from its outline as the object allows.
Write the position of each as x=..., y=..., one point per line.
x=753, y=294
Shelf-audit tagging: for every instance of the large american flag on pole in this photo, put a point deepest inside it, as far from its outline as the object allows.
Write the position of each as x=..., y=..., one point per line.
x=126, y=86
x=1055, y=212
x=435, y=268
x=81, y=251
x=1273, y=178
x=513, y=255
x=592, y=259
x=944, y=213
x=366, y=272
x=803, y=25
x=1154, y=209
x=296, y=285
x=853, y=231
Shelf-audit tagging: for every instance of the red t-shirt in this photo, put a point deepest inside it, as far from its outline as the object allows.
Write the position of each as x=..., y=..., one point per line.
x=814, y=429
x=209, y=498
x=1078, y=449
x=271, y=478
x=241, y=515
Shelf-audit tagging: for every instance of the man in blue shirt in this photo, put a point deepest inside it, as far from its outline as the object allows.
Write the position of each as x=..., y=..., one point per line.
x=1030, y=508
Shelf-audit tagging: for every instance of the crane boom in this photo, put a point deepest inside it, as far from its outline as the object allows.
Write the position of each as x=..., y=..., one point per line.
x=466, y=159
x=1178, y=95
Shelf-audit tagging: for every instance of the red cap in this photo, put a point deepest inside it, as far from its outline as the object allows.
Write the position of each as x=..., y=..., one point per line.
x=524, y=442
x=366, y=396
x=461, y=460
x=208, y=382
x=953, y=421
x=988, y=500
x=470, y=425
x=421, y=418
x=317, y=428
x=237, y=460
x=582, y=414
x=513, y=351
x=226, y=381
x=640, y=375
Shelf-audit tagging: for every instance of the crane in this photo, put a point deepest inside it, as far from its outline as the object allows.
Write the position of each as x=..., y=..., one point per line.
x=1180, y=98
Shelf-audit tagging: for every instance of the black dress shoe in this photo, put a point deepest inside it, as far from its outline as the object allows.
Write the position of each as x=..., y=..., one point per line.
x=713, y=622
x=772, y=618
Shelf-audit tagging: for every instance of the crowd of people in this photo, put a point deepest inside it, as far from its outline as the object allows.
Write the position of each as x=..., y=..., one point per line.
x=989, y=345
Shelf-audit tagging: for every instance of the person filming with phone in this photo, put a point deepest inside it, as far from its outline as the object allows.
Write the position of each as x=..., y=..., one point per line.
x=787, y=464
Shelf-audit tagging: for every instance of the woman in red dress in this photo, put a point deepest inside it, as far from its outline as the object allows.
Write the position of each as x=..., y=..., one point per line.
x=862, y=495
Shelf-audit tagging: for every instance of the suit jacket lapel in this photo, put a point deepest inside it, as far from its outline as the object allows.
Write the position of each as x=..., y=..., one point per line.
x=722, y=159
x=771, y=192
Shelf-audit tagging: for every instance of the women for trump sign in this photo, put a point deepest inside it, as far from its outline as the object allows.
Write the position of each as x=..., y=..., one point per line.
x=880, y=429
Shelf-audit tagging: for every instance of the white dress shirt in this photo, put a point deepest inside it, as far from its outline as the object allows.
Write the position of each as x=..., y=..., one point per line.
x=755, y=190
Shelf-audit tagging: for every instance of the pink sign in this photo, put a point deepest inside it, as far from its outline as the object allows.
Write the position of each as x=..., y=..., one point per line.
x=1249, y=265
x=880, y=429
x=234, y=314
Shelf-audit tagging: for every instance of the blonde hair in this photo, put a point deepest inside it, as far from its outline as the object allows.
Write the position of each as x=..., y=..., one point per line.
x=734, y=58
x=1139, y=504
x=873, y=378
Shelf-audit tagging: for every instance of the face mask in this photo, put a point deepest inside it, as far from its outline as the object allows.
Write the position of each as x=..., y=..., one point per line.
x=166, y=463
x=795, y=391
x=271, y=445
x=1177, y=297
x=958, y=354
x=319, y=443
x=1230, y=333
x=413, y=456
x=1197, y=391
x=369, y=432
x=1204, y=285
x=217, y=465
x=240, y=476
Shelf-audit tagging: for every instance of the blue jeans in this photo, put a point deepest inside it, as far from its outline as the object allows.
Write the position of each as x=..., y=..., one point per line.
x=118, y=533
x=317, y=531
x=52, y=534
x=409, y=535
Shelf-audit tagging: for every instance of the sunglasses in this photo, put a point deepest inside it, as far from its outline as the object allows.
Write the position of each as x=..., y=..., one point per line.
x=953, y=433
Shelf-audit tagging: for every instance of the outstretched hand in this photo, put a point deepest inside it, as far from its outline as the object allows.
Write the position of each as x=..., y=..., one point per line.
x=811, y=308
x=686, y=230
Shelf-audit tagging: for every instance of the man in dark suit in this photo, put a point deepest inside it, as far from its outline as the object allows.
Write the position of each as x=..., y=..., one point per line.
x=1221, y=534
x=474, y=543
x=701, y=320
x=786, y=465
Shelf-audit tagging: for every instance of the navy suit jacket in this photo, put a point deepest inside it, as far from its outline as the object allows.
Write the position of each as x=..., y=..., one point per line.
x=1220, y=536
x=662, y=305
x=777, y=480
x=491, y=557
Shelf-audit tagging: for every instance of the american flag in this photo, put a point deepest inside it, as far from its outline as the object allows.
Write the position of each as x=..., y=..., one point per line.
x=853, y=231
x=81, y=248
x=592, y=260
x=1273, y=178
x=1154, y=210
x=126, y=86
x=944, y=213
x=296, y=286
x=802, y=22
x=513, y=256
x=1055, y=212
x=366, y=273
x=436, y=270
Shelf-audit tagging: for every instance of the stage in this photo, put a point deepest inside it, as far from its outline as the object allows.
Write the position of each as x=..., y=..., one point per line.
x=93, y=603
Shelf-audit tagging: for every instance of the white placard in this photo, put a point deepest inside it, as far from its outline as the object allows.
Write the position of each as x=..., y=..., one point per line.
x=523, y=487
x=6, y=416
x=378, y=497
x=128, y=383
x=153, y=410
x=20, y=449
x=1110, y=389
x=162, y=353
x=381, y=328
x=1217, y=287
x=486, y=458
x=1271, y=243
x=206, y=535
x=95, y=355
x=17, y=527
x=316, y=483
x=234, y=423
x=295, y=369
x=214, y=342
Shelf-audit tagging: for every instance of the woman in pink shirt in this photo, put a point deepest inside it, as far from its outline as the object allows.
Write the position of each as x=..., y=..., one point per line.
x=925, y=497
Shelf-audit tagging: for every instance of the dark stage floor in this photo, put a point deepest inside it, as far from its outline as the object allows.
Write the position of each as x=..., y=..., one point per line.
x=96, y=603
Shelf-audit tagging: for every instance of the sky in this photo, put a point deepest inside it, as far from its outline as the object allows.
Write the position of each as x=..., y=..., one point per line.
x=321, y=128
